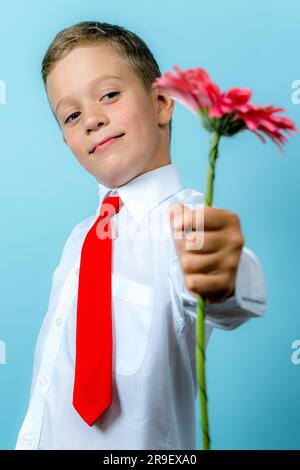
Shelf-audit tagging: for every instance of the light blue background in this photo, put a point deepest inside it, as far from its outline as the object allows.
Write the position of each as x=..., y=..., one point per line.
x=252, y=384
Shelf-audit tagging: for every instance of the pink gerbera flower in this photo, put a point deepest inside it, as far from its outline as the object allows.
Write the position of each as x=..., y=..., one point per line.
x=225, y=113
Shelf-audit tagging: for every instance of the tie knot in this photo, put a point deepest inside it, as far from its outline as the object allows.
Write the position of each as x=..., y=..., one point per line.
x=111, y=204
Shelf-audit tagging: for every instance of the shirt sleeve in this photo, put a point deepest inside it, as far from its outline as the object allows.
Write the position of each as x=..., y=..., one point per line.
x=248, y=301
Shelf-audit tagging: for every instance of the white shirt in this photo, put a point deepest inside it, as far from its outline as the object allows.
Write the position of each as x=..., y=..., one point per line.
x=154, y=355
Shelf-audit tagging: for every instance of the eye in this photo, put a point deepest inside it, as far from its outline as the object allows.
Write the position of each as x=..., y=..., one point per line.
x=70, y=116
x=112, y=93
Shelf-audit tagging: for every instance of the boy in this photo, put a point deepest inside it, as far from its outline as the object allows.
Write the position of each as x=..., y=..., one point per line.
x=98, y=81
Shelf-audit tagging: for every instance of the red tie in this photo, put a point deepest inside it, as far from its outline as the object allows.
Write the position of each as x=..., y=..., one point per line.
x=92, y=393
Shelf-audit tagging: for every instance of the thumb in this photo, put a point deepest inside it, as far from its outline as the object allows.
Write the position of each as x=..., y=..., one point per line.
x=176, y=221
x=176, y=216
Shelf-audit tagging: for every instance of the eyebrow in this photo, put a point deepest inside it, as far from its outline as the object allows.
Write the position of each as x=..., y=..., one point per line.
x=93, y=82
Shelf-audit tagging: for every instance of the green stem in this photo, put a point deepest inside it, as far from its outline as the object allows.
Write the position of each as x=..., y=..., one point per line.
x=200, y=326
x=213, y=155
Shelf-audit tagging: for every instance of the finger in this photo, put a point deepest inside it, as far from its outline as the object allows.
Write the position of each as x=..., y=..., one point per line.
x=184, y=219
x=215, y=218
x=208, y=263
x=204, y=217
x=203, y=242
x=207, y=284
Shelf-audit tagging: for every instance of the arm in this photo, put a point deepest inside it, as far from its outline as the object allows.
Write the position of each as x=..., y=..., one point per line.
x=248, y=300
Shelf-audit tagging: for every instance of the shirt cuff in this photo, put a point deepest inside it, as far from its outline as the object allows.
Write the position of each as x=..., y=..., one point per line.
x=248, y=301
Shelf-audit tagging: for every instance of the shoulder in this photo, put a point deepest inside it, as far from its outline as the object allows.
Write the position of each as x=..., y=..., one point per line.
x=80, y=229
x=73, y=244
x=78, y=232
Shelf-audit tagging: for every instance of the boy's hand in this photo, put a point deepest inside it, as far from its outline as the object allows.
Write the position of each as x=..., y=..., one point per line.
x=210, y=267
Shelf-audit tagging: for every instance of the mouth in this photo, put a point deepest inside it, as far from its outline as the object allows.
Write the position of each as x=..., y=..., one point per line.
x=101, y=147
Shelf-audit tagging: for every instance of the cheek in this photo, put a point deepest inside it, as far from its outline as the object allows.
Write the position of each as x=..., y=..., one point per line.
x=139, y=123
x=74, y=142
x=135, y=114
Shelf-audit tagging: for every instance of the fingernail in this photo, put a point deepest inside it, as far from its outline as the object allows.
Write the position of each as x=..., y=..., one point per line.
x=191, y=236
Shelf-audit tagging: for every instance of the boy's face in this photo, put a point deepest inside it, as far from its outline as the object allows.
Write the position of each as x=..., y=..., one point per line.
x=96, y=109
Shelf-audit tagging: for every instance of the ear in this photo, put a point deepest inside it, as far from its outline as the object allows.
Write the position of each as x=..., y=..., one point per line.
x=164, y=106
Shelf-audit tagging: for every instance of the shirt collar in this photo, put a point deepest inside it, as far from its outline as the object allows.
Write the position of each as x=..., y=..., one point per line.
x=146, y=191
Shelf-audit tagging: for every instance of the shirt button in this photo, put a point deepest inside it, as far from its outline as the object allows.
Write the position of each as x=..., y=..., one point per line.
x=27, y=439
x=58, y=321
x=77, y=272
x=43, y=381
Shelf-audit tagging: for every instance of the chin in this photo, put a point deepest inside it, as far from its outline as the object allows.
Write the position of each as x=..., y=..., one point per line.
x=112, y=182
x=117, y=177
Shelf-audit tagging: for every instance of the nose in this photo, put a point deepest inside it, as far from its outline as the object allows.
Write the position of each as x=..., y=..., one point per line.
x=95, y=117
